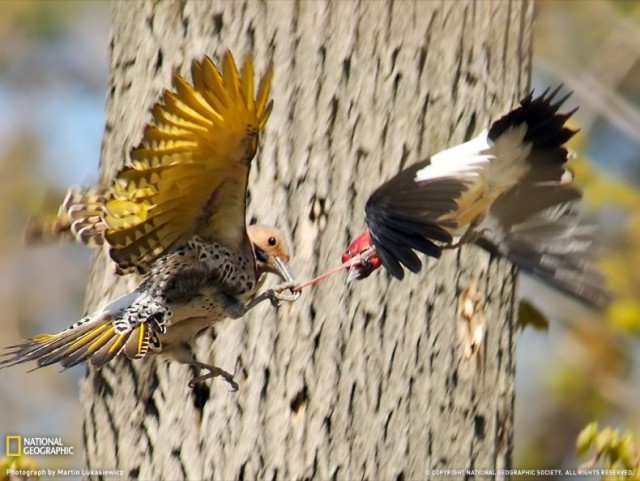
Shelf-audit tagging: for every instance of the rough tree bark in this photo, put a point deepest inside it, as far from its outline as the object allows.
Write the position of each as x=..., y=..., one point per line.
x=361, y=382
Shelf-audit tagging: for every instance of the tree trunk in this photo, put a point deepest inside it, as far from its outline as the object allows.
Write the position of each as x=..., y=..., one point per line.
x=368, y=381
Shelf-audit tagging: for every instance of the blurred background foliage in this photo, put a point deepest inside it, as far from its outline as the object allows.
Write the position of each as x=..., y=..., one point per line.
x=618, y=451
x=585, y=367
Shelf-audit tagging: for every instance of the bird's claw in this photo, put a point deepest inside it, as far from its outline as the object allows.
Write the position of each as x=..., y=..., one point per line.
x=215, y=371
x=277, y=295
x=469, y=237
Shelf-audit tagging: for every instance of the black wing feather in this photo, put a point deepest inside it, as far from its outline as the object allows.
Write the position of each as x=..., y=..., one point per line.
x=389, y=261
x=404, y=216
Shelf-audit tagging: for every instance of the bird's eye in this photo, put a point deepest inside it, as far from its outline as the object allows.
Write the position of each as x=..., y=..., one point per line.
x=272, y=241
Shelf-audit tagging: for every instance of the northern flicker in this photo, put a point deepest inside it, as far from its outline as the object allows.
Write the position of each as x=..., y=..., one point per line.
x=176, y=215
x=508, y=190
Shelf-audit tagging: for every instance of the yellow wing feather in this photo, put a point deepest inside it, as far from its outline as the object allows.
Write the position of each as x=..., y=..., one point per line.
x=262, y=107
x=79, y=217
x=189, y=174
x=187, y=177
x=247, y=84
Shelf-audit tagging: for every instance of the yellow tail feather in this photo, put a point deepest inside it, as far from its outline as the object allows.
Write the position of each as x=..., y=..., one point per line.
x=96, y=341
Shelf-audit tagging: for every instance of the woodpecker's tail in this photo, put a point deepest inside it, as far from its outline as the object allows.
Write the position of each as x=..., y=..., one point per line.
x=97, y=338
x=545, y=134
x=536, y=223
x=79, y=217
x=553, y=245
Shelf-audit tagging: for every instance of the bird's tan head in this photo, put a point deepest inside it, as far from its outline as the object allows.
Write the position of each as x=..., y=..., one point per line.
x=271, y=251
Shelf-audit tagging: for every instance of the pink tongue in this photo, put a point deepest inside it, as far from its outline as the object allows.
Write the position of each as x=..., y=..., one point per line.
x=345, y=265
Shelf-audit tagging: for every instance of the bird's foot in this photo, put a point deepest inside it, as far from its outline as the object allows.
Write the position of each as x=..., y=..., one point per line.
x=465, y=239
x=214, y=371
x=469, y=237
x=276, y=295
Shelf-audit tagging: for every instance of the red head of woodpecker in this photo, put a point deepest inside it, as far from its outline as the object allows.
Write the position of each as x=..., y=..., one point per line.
x=366, y=261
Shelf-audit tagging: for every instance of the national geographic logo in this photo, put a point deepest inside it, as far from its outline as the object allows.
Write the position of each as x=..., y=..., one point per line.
x=36, y=446
x=14, y=446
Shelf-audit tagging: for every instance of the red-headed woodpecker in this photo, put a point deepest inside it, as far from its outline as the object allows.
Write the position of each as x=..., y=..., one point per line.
x=507, y=189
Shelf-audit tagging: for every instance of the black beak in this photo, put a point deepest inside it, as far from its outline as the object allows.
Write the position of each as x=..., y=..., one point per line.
x=275, y=265
x=262, y=256
x=355, y=273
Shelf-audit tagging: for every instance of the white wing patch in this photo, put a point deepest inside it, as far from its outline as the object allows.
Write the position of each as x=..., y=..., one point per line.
x=464, y=161
x=498, y=166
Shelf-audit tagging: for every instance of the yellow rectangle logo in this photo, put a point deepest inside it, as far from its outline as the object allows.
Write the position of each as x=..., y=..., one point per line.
x=17, y=445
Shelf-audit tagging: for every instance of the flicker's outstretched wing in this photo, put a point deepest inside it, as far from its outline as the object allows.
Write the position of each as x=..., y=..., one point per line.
x=187, y=177
x=80, y=216
x=189, y=174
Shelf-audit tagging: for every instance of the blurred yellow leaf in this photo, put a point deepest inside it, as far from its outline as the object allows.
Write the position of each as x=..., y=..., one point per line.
x=629, y=451
x=586, y=437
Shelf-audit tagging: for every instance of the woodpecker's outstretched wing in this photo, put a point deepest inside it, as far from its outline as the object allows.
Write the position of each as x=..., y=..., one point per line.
x=403, y=216
x=524, y=147
x=189, y=174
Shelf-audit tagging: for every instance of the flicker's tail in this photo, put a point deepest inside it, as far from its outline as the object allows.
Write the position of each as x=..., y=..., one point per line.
x=80, y=217
x=97, y=338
